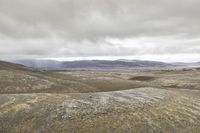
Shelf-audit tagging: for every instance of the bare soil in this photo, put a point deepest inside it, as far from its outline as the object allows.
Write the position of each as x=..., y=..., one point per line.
x=134, y=101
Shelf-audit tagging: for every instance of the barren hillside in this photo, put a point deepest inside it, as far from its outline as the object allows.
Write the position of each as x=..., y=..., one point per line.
x=98, y=101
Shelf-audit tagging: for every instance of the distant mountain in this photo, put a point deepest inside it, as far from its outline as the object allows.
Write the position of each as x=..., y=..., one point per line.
x=40, y=64
x=93, y=64
x=195, y=64
x=117, y=64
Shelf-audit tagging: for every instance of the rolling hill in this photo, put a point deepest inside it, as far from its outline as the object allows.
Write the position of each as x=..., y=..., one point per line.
x=133, y=101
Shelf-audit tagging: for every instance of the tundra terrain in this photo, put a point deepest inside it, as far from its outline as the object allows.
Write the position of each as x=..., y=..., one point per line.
x=150, y=101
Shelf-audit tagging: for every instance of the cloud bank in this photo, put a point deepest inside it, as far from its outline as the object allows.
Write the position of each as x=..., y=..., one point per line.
x=92, y=28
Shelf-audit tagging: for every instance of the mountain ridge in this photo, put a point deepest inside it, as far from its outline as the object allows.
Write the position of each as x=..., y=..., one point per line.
x=93, y=64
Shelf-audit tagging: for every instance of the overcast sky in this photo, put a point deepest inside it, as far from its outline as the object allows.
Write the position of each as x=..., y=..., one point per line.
x=100, y=29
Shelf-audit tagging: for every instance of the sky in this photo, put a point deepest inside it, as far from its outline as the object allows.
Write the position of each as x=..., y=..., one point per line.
x=159, y=30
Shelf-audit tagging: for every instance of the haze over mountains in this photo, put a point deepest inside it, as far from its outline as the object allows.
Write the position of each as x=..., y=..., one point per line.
x=101, y=64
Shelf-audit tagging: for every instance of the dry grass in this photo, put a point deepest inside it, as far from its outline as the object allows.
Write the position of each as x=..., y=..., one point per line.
x=99, y=101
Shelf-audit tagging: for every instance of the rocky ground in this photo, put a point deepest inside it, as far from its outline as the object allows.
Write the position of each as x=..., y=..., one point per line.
x=152, y=101
x=135, y=110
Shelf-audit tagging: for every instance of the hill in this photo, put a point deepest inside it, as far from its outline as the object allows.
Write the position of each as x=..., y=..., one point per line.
x=93, y=64
x=16, y=78
x=12, y=66
x=99, y=101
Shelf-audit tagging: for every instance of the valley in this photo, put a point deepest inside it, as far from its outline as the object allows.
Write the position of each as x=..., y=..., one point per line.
x=165, y=100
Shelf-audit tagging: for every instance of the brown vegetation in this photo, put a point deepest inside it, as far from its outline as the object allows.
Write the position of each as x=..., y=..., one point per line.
x=99, y=101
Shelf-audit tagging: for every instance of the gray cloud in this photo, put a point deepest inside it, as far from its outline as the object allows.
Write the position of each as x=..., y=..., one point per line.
x=58, y=28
